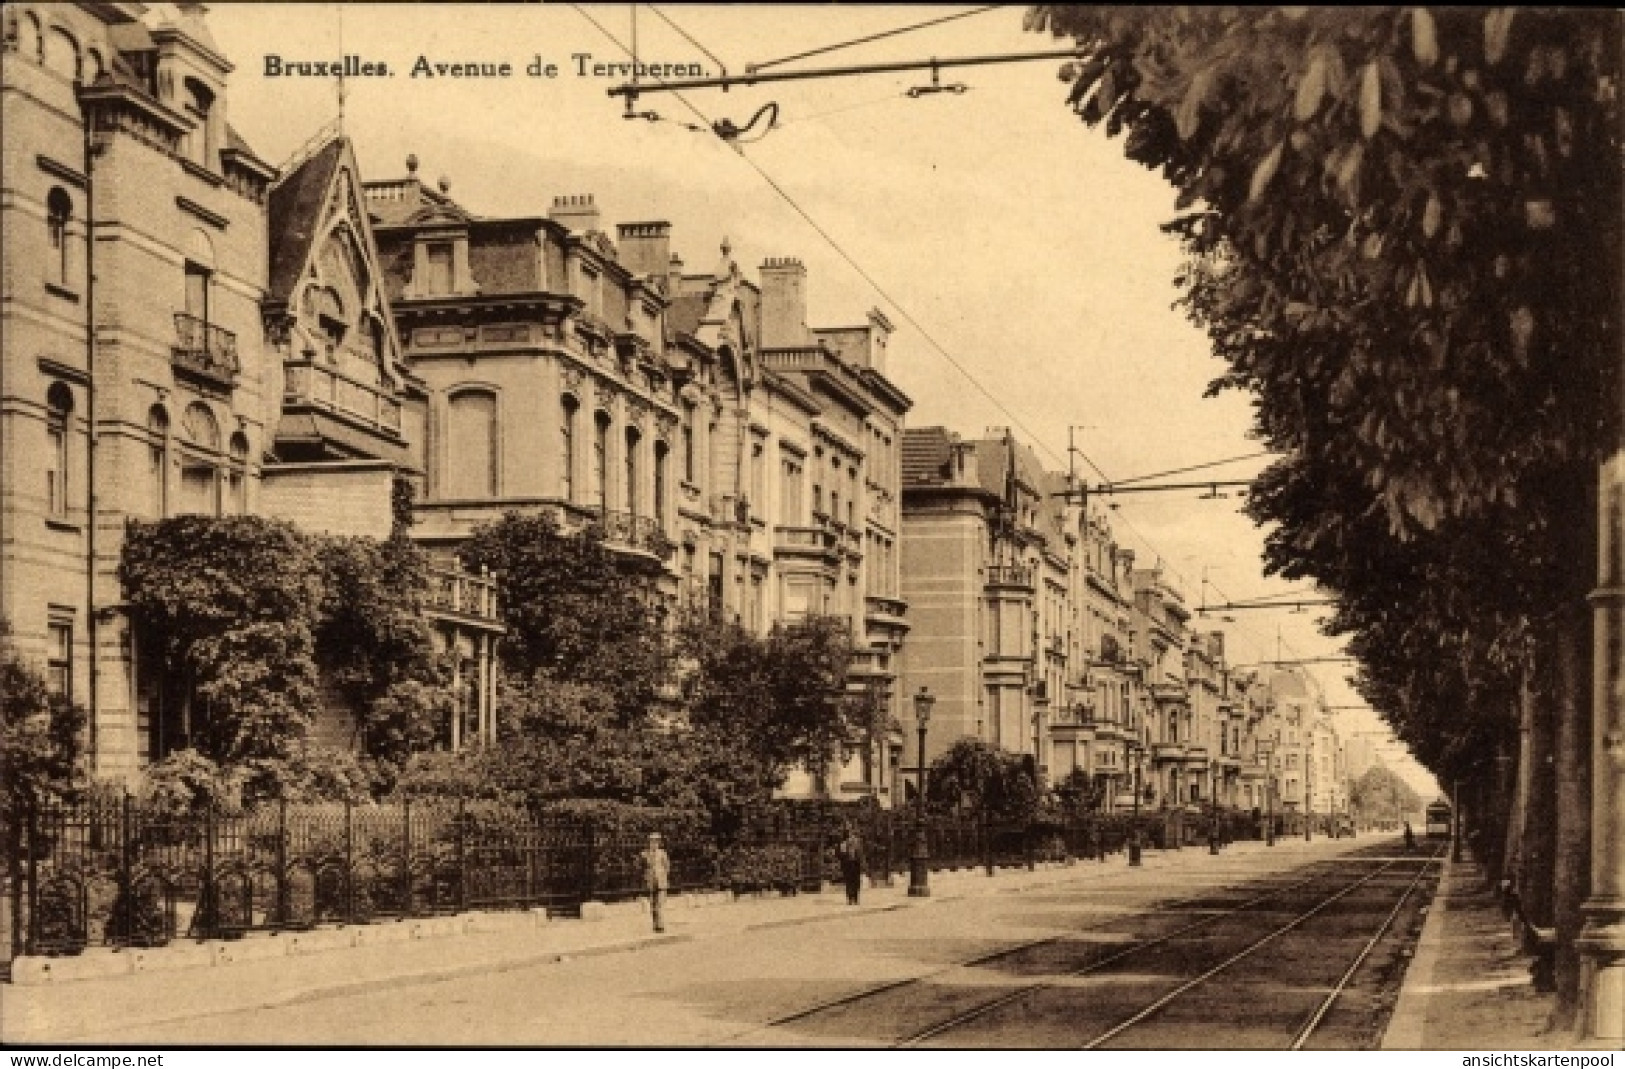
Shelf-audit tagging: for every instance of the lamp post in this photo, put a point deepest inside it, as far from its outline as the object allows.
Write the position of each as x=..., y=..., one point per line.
x=1268, y=751
x=918, y=879
x=1213, y=799
x=1136, y=750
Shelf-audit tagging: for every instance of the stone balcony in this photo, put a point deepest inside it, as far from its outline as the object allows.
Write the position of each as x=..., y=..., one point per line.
x=306, y=382
x=462, y=597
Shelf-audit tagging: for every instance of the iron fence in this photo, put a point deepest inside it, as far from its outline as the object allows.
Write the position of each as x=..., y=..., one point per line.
x=120, y=873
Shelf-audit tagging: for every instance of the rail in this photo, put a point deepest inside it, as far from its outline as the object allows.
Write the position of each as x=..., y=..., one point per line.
x=307, y=382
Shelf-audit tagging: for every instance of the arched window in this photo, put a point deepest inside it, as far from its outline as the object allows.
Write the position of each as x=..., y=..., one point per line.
x=660, y=484
x=237, y=474
x=59, y=410
x=58, y=210
x=61, y=54
x=471, y=445
x=633, y=441
x=158, y=461
x=600, y=460
x=200, y=461
x=568, y=410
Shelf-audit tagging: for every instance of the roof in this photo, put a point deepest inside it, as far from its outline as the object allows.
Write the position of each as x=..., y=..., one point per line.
x=296, y=205
x=686, y=312
x=927, y=453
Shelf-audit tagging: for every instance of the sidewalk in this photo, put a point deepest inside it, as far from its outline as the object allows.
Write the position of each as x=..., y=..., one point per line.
x=1468, y=986
x=192, y=979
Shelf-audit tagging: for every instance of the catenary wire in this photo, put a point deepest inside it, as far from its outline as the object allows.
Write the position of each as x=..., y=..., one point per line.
x=872, y=37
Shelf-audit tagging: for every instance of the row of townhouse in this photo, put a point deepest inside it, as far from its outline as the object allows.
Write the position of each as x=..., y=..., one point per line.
x=1036, y=632
x=190, y=330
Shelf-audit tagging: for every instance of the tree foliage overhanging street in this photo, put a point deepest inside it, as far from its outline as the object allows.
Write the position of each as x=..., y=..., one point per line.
x=1403, y=239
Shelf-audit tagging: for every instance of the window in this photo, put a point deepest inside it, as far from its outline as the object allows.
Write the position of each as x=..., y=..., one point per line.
x=199, y=102
x=713, y=587
x=58, y=210
x=197, y=291
x=237, y=475
x=59, y=658
x=633, y=441
x=200, y=462
x=758, y=477
x=567, y=447
x=471, y=445
x=59, y=407
x=660, y=484
x=688, y=442
x=158, y=462
x=790, y=493
x=438, y=266
x=600, y=460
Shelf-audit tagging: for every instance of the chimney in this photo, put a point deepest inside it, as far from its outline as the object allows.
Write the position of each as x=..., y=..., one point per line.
x=579, y=213
x=880, y=331
x=646, y=248
x=784, y=304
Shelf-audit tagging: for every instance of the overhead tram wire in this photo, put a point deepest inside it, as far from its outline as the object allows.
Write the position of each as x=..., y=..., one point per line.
x=712, y=56
x=901, y=309
x=754, y=67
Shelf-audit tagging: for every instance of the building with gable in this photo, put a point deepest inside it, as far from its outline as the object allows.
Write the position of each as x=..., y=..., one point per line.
x=186, y=331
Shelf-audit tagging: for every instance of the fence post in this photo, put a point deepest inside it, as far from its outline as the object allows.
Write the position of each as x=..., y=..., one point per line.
x=462, y=855
x=281, y=863
x=210, y=905
x=349, y=863
x=32, y=943
x=987, y=842
x=1027, y=845
x=126, y=874
x=589, y=878
x=406, y=858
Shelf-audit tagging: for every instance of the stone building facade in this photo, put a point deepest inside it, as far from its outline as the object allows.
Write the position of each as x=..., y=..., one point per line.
x=186, y=330
x=747, y=460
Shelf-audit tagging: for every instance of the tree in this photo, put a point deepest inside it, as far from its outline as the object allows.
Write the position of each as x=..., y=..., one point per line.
x=1380, y=795
x=575, y=609
x=992, y=783
x=1404, y=239
x=782, y=697
x=39, y=741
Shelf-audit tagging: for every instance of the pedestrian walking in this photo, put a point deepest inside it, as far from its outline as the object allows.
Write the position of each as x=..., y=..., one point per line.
x=656, y=878
x=1410, y=838
x=850, y=855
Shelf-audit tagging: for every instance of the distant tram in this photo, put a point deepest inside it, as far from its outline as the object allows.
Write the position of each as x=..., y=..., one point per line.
x=1438, y=820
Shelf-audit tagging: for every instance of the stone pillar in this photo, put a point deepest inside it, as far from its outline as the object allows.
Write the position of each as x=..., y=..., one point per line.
x=1602, y=940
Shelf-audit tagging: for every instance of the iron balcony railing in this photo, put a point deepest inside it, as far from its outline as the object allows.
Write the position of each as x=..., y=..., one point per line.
x=1010, y=575
x=205, y=350
x=641, y=533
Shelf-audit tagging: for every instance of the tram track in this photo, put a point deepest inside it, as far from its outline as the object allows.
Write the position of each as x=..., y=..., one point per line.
x=875, y=995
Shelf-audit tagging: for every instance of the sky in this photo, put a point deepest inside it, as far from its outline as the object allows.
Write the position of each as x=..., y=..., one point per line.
x=1018, y=253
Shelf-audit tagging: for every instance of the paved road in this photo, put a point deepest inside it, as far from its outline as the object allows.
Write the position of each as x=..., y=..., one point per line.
x=726, y=987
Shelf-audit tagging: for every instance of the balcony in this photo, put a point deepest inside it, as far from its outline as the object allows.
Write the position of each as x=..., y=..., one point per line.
x=1168, y=751
x=820, y=542
x=456, y=595
x=308, y=383
x=639, y=533
x=1014, y=575
x=885, y=613
x=204, y=352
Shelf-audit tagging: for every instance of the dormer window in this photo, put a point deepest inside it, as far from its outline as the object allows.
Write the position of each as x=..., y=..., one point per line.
x=438, y=279
x=198, y=104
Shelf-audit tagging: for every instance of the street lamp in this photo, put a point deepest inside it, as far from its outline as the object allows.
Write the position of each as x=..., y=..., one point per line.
x=1213, y=798
x=1136, y=750
x=1267, y=749
x=918, y=880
